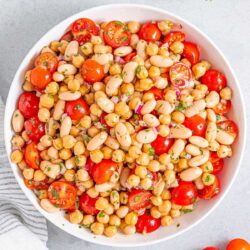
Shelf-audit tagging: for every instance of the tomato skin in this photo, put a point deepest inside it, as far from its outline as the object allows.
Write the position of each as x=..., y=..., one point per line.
x=158, y=93
x=217, y=162
x=129, y=57
x=48, y=61
x=138, y=199
x=87, y=204
x=28, y=104
x=238, y=244
x=147, y=224
x=197, y=124
x=34, y=128
x=103, y=121
x=76, y=109
x=174, y=36
x=150, y=32
x=116, y=34
x=185, y=194
x=179, y=74
x=191, y=52
x=214, y=80
x=92, y=71
x=31, y=155
x=89, y=166
x=62, y=194
x=208, y=192
x=40, y=77
x=211, y=248
x=223, y=107
x=39, y=185
x=68, y=36
x=161, y=144
x=102, y=171
x=229, y=126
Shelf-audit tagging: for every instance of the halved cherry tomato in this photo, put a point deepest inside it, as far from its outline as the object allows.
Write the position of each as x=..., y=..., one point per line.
x=40, y=77
x=116, y=34
x=31, y=156
x=208, y=192
x=89, y=166
x=185, y=194
x=150, y=32
x=68, y=36
x=138, y=199
x=87, y=204
x=217, y=162
x=223, y=107
x=129, y=57
x=62, y=194
x=103, y=171
x=214, y=80
x=197, y=124
x=174, y=36
x=162, y=144
x=82, y=29
x=211, y=248
x=34, y=128
x=103, y=121
x=191, y=52
x=92, y=71
x=48, y=61
x=31, y=184
x=158, y=93
x=179, y=74
x=76, y=109
x=147, y=224
x=228, y=126
x=28, y=104
x=238, y=244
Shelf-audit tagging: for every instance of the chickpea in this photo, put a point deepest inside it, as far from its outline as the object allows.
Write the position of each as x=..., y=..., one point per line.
x=164, y=159
x=107, y=152
x=226, y=93
x=110, y=231
x=114, y=220
x=224, y=151
x=178, y=117
x=44, y=155
x=75, y=217
x=97, y=228
x=87, y=49
x=146, y=183
x=123, y=197
x=207, y=167
x=122, y=211
x=46, y=141
x=110, y=209
x=80, y=160
x=28, y=173
x=141, y=72
x=39, y=175
x=177, y=47
x=82, y=175
x=163, y=130
x=79, y=148
x=182, y=164
x=165, y=26
x=143, y=159
x=77, y=60
x=16, y=156
x=74, y=85
x=165, y=119
x=131, y=218
x=96, y=155
x=133, y=27
x=85, y=122
x=68, y=141
x=62, y=46
x=134, y=102
x=175, y=213
x=145, y=84
x=57, y=143
x=170, y=96
x=166, y=220
x=141, y=171
x=112, y=119
x=165, y=207
x=166, y=194
x=69, y=175
x=118, y=155
x=115, y=69
x=154, y=166
x=154, y=72
x=88, y=220
x=133, y=180
x=42, y=194
x=128, y=230
x=127, y=89
x=53, y=153
x=163, y=51
x=155, y=213
x=208, y=179
x=43, y=114
x=152, y=49
x=102, y=217
x=65, y=153
x=121, y=108
x=101, y=203
x=46, y=101
x=17, y=141
x=52, y=88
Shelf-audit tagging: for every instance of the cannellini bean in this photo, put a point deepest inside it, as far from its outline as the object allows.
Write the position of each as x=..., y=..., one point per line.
x=113, y=84
x=192, y=150
x=129, y=71
x=112, y=143
x=212, y=99
x=72, y=49
x=164, y=107
x=17, y=121
x=158, y=187
x=51, y=127
x=196, y=108
x=211, y=116
x=199, y=141
x=104, y=187
x=141, y=49
x=190, y=174
x=122, y=135
x=105, y=104
x=103, y=58
x=67, y=69
x=180, y=132
x=148, y=107
x=147, y=135
x=224, y=138
x=52, y=170
x=160, y=82
x=211, y=131
x=115, y=199
x=48, y=207
x=124, y=176
x=69, y=96
x=123, y=51
x=65, y=126
x=199, y=183
x=97, y=141
x=200, y=159
x=161, y=61
x=176, y=149
x=151, y=120
x=59, y=110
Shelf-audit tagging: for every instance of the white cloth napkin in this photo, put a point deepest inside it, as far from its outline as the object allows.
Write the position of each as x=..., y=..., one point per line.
x=22, y=227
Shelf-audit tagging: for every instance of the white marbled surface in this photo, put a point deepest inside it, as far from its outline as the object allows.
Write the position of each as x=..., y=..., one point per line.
x=23, y=22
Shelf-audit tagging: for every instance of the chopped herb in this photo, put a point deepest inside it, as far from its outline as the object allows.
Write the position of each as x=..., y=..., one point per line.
x=49, y=168
x=193, y=199
x=137, y=198
x=186, y=211
x=151, y=151
x=55, y=194
x=101, y=214
x=32, y=121
x=178, y=225
x=16, y=115
x=78, y=106
x=124, y=39
x=181, y=106
x=207, y=178
x=218, y=118
x=57, y=205
x=138, y=70
x=119, y=23
x=77, y=160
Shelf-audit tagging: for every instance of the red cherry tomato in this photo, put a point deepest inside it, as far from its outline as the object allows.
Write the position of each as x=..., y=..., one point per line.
x=147, y=224
x=103, y=171
x=129, y=57
x=34, y=129
x=103, y=121
x=217, y=162
x=174, y=36
x=139, y=200
x=62, y=194
x=208, y=192
x=40, y=77
x=31, y=184
x=238, y=244
x=158, y=93
x=228, y=126
x=82, y=29
x=179, y=74
x=211, y=248
x=150, y=32
x=116, y=34
x=48, y=61
x=185, y=194
x=76, y=109
x=161, y=144
x=28, y=104
x=68, y=36
x=31, y=156
x=214, y=80
x=89, y=166
x=223, y=107
x=197, y=124
x=191, y=52
x=87, y=204
x=92, y=71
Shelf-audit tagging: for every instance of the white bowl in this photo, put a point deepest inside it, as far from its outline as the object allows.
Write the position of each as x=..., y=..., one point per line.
x=126, y=12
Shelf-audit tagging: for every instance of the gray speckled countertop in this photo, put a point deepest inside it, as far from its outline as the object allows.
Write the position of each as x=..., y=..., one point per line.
x=23, y=22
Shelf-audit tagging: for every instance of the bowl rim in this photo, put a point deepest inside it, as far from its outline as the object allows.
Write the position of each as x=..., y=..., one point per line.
x=243, y=132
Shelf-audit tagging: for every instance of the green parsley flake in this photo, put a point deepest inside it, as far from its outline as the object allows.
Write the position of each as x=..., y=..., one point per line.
x=55, y=194
x=181, y=106
x=151, y=151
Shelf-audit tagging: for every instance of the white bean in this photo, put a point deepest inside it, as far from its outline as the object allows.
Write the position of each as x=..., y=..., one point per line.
x=211, y=131
x=112, y=142
x=67, y=69
x=180, y=132
x=147, y=135
x=97, y=141
x=164, y=107
x=161, y=61
x=190, y=174
x=200, y=159
x=151, y=120
x=212, y=99
x=224, y=138
x=211, y=116
x=141, y=49
x=123, y=51
x=103, y=58
x=59, y=110
x=69, y=96
x=48, y=207
x=122, y=135
x=176, y=149
x=105, y=104
x=113, y=84
x=124, y=176
x=199, y=141
x=160, y=82
x=71, y=50
x=199, y=183
x=65, y=126
x=196, y=108
x=134, y=40
x=129, y=71
x=192, y=150
x=17, y=121
x=104, y=187
x=51, y=127
x=58, y=77
x=148, y=107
